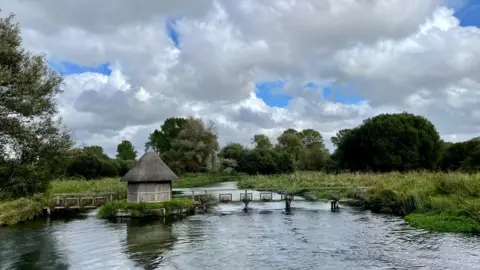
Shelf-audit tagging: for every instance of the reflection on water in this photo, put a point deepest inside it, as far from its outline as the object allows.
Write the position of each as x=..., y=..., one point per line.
x=311, y=237
x=147, y=241
x=30, y=247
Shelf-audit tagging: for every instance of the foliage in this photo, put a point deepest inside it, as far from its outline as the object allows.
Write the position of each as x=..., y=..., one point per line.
x=261, y=141
x=306, y=148
x=124, y=166
x=84, y=164
x=91, y=162
x=462, y=156
x=389, y=142
x=33, y=139
x=194, y=149
x=111, y=209
x=15, y=211
x=126, y=151
x=257, y=161
x=161, y=140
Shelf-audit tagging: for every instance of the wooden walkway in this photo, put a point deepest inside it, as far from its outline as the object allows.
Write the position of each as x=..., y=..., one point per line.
x=79, y=200
x=237, y=195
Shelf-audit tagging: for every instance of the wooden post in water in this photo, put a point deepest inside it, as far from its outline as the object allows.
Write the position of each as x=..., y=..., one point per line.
x=288, y=201
x=334, y=205
x=246, y=201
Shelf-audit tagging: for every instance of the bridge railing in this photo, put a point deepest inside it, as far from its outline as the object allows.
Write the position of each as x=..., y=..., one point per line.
x=227, y=195
x=80, y=200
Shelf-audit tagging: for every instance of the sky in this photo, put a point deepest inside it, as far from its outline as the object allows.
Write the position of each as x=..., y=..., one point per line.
x=256, y=66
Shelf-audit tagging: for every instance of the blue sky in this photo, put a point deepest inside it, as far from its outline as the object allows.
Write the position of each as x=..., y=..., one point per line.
x=271, y=92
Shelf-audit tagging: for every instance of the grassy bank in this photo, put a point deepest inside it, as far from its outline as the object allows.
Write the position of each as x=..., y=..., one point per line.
x=23, y=209
x=16, y=211
x=139, y=210
x=445, y=202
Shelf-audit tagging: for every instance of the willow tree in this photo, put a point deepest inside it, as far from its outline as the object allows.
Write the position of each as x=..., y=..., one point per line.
x=33, y=140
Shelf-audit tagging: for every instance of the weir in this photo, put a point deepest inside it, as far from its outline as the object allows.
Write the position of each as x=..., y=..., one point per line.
x=203, y=198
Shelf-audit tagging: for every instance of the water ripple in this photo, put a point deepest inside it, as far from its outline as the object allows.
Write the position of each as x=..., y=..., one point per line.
x=311, y=238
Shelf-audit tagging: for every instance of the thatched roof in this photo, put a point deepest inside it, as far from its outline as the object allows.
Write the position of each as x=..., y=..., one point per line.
x=149, y=168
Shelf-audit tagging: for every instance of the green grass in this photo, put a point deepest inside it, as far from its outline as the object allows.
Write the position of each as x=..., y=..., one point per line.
x=110, y=209
x=120, y=188
x=92, y=186
x=420, y=193
x=442, y=222
x=16, y=211
x=198, y=180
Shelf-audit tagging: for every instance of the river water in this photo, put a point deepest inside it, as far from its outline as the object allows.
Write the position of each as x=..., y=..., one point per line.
x=310, y=237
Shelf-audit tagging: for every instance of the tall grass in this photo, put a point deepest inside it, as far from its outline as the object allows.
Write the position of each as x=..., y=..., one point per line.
x=92, y=186
x=23, y=209
x=120, y=188
x=191, y=180
x=443, y=194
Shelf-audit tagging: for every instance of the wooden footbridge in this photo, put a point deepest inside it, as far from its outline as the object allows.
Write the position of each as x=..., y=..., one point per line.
x=201, y=196
x=78, y=200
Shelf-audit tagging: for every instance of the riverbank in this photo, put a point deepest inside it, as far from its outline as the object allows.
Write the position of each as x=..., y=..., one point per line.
x=141, y=210
x=440, y=202
x=24, y=209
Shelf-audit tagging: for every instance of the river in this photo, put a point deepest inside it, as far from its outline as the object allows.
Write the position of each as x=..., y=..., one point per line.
x=311, y=237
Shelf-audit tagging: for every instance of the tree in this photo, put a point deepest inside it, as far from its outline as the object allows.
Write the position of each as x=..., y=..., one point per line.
x=312, y=139
x=126, y=151
x=460, y=156
x=339, y=136
x=96, y=150
x=161, y=140
x=195, y=147
x=390, y=142
x=291, y=143
x=33, y=139
x=232, y=151
x=84, y=164
x=261, y=141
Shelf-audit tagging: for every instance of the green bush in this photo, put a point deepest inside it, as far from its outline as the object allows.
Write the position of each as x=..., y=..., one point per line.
x=85, y=165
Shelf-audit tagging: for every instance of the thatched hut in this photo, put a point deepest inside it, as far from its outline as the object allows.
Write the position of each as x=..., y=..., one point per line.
x=149, y=180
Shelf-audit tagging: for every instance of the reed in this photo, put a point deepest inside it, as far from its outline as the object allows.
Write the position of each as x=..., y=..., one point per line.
x=454, y=195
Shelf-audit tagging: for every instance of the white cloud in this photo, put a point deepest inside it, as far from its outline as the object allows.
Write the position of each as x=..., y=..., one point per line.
x=398, y=54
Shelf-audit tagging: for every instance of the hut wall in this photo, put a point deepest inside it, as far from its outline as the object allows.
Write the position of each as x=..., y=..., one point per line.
x=154, y=192
x=132, y=195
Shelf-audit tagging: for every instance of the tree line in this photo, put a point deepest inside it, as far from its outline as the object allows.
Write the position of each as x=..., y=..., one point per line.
x=36, y=147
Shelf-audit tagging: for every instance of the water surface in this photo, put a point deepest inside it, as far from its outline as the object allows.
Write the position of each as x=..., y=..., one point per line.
x=311, y=237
